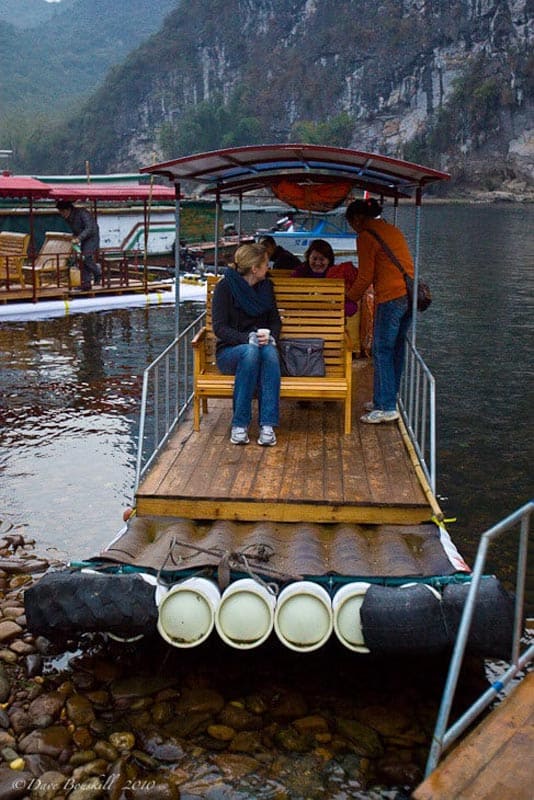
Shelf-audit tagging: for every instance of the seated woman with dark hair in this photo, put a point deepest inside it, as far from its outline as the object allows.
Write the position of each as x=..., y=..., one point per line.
x=247, y=324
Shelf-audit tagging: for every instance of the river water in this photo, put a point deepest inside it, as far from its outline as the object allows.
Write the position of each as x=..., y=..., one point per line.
x=70, y=391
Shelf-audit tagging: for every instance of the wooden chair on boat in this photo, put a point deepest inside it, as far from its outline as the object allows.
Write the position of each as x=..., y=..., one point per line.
x=308, y=308
x=52, y=260
x=13, y=250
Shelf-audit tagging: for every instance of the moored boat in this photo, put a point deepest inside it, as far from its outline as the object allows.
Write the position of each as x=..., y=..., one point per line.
x=335, y=533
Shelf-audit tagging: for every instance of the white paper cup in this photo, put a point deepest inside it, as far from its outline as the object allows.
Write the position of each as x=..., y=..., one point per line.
x=187, y=612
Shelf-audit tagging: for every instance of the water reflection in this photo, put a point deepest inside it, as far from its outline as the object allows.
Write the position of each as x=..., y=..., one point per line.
x=70, y=390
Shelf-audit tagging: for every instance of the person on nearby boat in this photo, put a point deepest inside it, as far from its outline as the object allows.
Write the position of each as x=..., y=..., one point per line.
x=247, y=325
x=279, y=257
x=86, y=233
x=393, y=312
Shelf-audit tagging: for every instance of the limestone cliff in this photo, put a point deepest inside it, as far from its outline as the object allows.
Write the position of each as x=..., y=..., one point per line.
x=446, y=82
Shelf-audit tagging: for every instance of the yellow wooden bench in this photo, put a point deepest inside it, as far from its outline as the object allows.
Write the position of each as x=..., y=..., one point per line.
x=13, y=250
x=52, y=260
x=308, y=308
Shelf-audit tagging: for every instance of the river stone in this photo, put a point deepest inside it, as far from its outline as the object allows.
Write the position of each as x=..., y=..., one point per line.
x=162, y=712
x=37, y=763
x=83, y=738
x=12, y=611
x=199, y=700
x=312, y=724
x=221, y=733
x=6, y=740
x=82, y=757
x=106, y=750
x=235, y=766
x=122, y=740
x=5, y=684
x=21, y=648
x=20, y=720
x=246, y=742
x=33, y=664
x=388, y=721
x=287, y=705
x=95, y=767
x=8, y=656
x=53, y=741
x=153, y=787
x=49, y=704
x=47, y=785
x=186, y=725
x=79, y=710
x=398, y=774
x=91, y=789
x=236, y=716
x=164, y=749
x=293, y=741
x=365, y=740
x=14, y=785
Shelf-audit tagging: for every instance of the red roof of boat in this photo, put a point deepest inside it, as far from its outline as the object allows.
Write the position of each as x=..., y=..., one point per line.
x=110, y=192
x=22, y=186
x=240, y=169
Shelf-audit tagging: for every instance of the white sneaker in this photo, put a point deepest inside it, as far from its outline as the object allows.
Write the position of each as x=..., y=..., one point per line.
x=376, y=416
x=267, y=437
x=239, y=436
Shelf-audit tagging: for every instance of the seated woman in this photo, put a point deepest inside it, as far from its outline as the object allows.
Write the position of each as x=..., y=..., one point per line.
x=318, y=259
x=319, y=263
x=247, y=324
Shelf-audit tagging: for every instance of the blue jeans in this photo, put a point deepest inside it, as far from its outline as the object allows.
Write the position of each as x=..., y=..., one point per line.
x=256, y=369
x=392, y=320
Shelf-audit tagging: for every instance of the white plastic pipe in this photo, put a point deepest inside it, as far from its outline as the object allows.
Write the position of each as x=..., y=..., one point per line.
x=303, y=616
x=245, y=616
x=187, y=612
x=346, y=607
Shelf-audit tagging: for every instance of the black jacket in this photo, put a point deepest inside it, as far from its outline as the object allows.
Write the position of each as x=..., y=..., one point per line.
x=232, y=325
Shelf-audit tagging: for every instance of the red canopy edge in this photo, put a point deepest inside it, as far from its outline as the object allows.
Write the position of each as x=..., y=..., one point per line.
x=110, y=192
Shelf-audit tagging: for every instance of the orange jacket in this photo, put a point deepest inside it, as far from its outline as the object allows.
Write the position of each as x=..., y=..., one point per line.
x=376, y=267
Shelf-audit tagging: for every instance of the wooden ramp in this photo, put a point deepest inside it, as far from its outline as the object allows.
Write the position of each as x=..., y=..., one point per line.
x=496, y=760
x=316, y=472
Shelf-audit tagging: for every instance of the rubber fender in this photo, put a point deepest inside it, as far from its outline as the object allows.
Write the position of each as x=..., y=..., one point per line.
x=68, y=602
x=403, y=620
x=492, y=626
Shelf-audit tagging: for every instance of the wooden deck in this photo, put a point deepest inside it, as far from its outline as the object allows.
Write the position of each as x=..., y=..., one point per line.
x=24, y=295
x=496, y=760
x=315, y=473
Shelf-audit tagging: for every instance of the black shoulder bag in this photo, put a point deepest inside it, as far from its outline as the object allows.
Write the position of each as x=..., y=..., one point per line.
x=424, y=295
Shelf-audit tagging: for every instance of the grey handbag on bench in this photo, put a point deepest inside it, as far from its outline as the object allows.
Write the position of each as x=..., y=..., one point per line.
x=302, y=357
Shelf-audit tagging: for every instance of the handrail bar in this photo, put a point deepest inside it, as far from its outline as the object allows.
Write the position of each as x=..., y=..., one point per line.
x=177, y=378
x=443, y=737
x=417, y=404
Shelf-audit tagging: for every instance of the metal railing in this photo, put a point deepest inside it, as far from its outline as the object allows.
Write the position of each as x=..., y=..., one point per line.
x=417, y=402
x=168, y=392
x=444, y=737
x=166, y=396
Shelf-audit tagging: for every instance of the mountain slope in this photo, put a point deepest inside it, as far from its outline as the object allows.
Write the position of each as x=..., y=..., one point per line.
x=69, y=53
x=448, y=82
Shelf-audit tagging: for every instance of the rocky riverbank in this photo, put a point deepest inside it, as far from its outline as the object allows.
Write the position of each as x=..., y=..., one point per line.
x=103, y=719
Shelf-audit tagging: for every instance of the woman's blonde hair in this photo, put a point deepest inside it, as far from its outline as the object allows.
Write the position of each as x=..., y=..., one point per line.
x=248, y=256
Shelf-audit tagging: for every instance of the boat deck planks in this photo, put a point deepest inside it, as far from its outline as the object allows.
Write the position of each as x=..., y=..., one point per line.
x=495, y=760
x=316, y=472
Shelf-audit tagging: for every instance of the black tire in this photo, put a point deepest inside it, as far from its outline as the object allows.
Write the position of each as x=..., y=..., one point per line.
x=68, y=603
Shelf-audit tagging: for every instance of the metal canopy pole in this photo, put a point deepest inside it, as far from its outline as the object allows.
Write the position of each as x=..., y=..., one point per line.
x=418, y=200
x=217, y=210
x=177, y=258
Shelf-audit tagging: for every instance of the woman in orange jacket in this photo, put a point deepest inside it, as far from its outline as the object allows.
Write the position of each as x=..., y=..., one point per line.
x=393, y=312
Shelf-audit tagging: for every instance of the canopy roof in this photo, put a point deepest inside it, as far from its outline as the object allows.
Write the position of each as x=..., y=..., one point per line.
x=22, y=186
x=110, y=192
x=234, y=171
